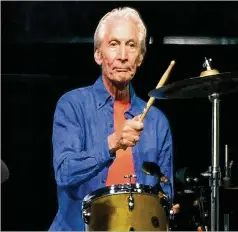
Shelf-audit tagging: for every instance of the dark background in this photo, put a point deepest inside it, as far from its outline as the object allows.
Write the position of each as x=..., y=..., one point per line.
x=46, y=51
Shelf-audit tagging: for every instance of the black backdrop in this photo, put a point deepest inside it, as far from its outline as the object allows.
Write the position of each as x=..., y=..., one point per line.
x=38, y=67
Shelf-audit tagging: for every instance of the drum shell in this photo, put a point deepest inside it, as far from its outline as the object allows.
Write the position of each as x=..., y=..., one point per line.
x=110, y=212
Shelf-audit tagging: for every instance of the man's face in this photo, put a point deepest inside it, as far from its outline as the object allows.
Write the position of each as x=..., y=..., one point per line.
x=119, y=53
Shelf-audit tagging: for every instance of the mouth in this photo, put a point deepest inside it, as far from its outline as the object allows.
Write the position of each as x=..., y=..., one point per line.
x=122, y=69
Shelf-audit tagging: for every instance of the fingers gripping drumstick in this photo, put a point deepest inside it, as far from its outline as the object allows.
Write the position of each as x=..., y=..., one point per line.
x=160, y=84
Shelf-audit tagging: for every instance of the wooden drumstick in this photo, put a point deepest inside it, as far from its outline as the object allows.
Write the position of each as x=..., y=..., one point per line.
x=160, y=84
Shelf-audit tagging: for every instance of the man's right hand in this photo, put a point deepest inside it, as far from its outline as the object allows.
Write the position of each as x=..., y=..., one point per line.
x=128, y=137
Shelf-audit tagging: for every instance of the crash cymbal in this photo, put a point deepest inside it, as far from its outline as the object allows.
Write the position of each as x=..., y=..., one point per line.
x=197, y=87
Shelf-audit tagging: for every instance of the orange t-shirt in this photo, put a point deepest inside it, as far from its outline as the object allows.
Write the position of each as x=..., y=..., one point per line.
x=123, y=164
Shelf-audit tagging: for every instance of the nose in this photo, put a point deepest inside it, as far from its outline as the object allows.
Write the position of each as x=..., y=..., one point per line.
x=122, y=53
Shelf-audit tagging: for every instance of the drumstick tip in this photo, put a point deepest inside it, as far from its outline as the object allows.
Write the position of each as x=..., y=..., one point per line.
x=172, y=62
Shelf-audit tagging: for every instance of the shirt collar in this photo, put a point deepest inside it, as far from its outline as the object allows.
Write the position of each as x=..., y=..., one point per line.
x=102, y=96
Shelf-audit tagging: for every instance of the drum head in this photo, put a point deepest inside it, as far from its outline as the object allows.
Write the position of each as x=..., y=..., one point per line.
x=119, y=189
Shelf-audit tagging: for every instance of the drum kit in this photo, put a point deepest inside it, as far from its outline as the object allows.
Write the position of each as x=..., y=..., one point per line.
x=137, y=207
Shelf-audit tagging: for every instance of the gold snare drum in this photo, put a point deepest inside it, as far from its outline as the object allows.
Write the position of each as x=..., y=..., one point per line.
x=129, y=207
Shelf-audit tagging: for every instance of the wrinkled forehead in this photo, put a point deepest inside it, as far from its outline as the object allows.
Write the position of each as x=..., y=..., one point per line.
x=121, y=29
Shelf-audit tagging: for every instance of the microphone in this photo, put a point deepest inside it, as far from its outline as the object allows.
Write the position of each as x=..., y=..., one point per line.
x=4, y=172
x=152, y=169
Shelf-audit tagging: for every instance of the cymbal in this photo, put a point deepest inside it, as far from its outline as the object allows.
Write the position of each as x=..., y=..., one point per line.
x=197, y=87
x=4, y=172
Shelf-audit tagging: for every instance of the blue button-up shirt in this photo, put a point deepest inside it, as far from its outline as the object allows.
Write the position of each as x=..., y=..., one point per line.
x=83, y=120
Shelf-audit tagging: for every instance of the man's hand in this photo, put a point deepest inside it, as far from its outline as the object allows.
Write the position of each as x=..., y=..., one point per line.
x=128, y=137
x=176, y=208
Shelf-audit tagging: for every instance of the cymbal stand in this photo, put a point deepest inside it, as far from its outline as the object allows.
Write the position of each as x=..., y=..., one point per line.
x=215, y=172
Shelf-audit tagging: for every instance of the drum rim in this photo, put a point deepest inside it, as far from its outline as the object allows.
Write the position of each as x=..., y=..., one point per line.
x=120, y=188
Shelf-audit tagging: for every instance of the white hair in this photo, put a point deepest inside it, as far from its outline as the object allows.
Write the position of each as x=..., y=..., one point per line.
x=121, y=13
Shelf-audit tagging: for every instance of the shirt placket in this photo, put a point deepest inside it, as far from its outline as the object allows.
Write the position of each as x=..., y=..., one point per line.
x=107, y=115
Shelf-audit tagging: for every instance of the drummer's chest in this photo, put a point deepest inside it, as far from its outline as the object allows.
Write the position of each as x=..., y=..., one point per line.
x=100, y=124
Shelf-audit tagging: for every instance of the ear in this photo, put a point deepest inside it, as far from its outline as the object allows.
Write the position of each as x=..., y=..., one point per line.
x=98, y=56
x=140, y=59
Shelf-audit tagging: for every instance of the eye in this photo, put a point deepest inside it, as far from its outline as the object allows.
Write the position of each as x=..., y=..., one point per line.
x=132, y=45
x=113, y=43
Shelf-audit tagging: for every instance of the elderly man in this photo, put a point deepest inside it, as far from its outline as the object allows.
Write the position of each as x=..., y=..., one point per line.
x=97, y=137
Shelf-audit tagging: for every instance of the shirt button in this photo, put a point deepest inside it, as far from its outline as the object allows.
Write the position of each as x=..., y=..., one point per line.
x=111, y=125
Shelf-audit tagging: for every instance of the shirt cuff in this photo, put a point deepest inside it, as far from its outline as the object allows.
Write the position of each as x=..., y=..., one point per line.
x=106, y=154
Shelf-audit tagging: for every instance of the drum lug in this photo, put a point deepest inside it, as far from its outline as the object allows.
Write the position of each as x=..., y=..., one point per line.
x=131, y=202
x=86, y=216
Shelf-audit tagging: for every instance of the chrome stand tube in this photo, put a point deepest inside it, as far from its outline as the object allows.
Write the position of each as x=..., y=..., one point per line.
x=215, y=177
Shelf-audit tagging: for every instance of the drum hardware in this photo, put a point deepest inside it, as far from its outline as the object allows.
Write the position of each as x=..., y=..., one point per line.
x=86, y=215
x=209, y=71
x=188, y=191
x=211, y=84
x=229, y=193
x=131, y=200
x=203, y=211
x=196, y=190
x=215, y=178
x=163, y=196
x=226, y=222
x=130, y=177
x=226, y=184
x=194, y=210
x=164, y=201
x=229, y=205
x=227, y=169
x=189, y=177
